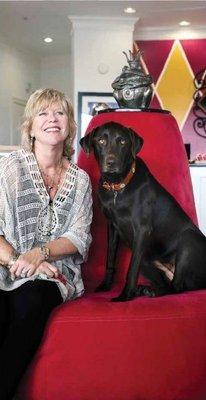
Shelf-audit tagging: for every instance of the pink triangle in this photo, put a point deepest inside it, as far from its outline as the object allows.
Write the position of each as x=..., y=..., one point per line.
x=195, y=53
x=155, y=53
x=155, y=102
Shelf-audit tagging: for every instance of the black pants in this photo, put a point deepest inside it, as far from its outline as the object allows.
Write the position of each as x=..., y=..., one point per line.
x=23, y=315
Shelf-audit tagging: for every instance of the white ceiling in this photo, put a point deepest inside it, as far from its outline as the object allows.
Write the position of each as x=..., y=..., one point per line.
x=24, y=24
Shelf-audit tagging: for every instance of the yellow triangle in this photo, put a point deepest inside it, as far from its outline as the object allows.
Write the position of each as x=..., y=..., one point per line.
x=175, y=86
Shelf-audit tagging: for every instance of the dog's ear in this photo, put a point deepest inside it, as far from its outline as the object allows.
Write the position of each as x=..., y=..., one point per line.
x=87, y=142
x=137, y=142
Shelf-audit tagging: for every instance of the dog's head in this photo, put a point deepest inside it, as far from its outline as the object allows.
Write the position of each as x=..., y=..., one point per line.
x=115, y=146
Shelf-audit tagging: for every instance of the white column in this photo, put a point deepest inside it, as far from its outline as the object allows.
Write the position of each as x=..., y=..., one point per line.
x=97, y=46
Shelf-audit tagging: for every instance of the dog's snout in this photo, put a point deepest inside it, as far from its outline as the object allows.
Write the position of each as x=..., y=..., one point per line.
x=110, y=163
x=110, y=160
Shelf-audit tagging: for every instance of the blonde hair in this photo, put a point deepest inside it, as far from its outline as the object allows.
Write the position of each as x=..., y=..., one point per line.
x=39, y=100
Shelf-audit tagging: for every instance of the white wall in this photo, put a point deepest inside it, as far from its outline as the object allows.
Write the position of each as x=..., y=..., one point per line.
x=98, y=41
x=164, y=32
x=21, y=74
x=17, y=71
x=55, y=73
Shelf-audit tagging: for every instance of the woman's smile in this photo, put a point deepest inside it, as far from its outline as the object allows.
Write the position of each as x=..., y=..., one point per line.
x=53, y=121
x=53, y=129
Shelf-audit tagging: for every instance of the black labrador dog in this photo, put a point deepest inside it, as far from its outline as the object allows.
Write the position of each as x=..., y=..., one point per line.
x=167, y=247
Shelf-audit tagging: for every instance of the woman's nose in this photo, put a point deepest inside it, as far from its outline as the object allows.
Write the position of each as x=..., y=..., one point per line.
x=52, y=117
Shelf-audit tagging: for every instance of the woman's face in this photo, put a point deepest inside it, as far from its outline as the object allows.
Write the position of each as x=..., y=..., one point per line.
x=50, y=125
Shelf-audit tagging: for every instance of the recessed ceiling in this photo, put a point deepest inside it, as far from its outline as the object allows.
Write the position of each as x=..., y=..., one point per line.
x=24, y=24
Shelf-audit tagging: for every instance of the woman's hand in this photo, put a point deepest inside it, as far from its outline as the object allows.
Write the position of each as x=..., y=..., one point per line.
x=48, y=269
x=26, y=264
x=31, y=263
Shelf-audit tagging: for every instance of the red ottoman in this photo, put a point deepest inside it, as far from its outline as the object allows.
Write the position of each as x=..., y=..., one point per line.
x=145, y=349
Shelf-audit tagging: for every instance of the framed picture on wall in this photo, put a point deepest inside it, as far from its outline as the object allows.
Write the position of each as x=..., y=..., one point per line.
x=86, y=103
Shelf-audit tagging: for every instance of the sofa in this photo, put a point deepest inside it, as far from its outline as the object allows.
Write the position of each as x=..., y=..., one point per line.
x=144, y=349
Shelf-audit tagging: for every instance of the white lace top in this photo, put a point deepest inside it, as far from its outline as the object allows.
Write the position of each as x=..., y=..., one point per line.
x=28, y=218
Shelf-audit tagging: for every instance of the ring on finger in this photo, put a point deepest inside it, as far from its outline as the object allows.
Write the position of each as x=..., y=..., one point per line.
x=24, y=272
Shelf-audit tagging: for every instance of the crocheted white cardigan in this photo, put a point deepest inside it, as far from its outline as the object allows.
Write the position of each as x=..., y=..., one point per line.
x=27, y=219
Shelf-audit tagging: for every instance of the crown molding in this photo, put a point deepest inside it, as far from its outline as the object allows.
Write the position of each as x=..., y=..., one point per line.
x=102, y=23
x=164, y=32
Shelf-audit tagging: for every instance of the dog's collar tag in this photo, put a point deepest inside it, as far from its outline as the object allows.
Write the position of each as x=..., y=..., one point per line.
x=116, y=187
x=115, y=196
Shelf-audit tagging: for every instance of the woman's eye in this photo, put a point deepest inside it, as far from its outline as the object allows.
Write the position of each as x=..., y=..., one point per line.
x=60, y=112
x=42, y=113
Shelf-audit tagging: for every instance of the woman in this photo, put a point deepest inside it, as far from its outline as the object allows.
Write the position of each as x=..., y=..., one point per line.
x=45, y=217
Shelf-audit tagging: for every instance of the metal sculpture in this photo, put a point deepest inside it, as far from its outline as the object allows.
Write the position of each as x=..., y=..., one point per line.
x=133, y=88
x=199, y=109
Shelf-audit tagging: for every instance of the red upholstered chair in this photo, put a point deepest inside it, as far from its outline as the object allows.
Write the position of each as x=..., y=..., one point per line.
x=145, y=349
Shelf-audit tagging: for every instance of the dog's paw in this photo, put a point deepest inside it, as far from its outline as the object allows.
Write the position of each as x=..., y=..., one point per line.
x=103, y=287
x=158, y=291
x=126, y=296
x=141, y=290
x=145, y=290
x=148, y=291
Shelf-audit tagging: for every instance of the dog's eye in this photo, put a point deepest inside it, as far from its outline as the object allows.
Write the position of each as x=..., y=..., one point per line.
x=102, y=141
x=122, y=142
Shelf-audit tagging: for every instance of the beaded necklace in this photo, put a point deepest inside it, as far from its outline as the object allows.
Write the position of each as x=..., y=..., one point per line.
x=53, y=181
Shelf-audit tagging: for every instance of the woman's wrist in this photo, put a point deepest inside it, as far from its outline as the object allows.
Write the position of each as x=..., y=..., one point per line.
x=45, y=252
x=12, y=259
